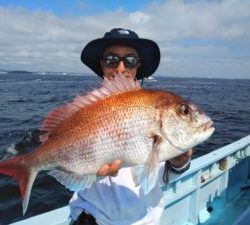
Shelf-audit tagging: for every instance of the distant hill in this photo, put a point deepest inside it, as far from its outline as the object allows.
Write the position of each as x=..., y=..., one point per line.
x=20, y=71
x=15, y=71
x=42, y=73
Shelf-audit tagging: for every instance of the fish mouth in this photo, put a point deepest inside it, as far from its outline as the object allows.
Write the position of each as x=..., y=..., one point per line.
x=208, y=125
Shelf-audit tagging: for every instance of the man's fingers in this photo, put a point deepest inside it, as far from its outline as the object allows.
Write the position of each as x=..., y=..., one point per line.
x=114, y=167
x=103, y=171
x=110, y=169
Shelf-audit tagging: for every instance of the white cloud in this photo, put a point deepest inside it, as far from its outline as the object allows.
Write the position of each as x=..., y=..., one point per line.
x=201, y=19
x=41, y=40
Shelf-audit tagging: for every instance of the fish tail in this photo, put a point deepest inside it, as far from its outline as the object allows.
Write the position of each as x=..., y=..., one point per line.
x=20, y=169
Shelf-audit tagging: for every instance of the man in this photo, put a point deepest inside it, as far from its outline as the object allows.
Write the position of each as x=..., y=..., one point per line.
x=114, y=199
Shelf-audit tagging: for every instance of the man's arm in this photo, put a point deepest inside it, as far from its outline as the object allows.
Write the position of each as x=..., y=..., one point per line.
x=177, y=165
x=181, y=163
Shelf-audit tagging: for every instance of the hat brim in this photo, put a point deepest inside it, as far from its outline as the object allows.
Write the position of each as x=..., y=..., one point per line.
x=148, y=51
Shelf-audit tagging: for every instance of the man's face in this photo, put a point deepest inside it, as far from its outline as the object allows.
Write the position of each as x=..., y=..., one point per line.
x=123, y=67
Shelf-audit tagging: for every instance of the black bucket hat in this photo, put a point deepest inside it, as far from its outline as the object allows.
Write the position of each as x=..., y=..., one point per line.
x=148, y=51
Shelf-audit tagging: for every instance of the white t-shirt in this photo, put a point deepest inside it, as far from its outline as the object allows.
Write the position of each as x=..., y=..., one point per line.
x=117, y=201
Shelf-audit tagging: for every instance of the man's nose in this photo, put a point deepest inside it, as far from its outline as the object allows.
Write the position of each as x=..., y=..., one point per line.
x=121, y=68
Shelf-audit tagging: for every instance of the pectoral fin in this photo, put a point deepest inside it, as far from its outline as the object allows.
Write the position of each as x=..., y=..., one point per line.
x=147, y=176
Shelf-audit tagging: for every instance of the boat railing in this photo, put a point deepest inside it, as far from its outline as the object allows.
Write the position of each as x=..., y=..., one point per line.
x=207, y=178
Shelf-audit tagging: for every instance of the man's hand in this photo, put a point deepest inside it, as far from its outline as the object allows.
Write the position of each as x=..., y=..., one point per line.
x=110, y=169
x=182, y=159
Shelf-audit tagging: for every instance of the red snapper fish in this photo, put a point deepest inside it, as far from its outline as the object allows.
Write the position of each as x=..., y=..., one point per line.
x=120, y=120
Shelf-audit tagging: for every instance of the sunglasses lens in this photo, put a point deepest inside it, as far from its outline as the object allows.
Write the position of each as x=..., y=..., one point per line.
x=131, y=61
x=111, y=61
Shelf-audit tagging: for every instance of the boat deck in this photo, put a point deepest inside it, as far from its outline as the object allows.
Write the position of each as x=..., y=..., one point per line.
x=227, y=213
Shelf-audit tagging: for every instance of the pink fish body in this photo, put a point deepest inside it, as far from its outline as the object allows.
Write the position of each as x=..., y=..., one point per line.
x=118, y=121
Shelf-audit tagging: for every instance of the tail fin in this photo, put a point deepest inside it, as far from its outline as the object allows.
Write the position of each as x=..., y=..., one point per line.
x=20, y=169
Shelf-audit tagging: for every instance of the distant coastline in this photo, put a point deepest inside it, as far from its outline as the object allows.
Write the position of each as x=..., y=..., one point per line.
x=153, y=78
x=42, y=73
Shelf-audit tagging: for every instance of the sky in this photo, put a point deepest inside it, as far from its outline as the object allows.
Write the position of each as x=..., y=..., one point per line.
x=197, y=38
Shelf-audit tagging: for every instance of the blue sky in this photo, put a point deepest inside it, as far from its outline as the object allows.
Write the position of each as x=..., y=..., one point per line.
x=78, y=7
x=197, y=38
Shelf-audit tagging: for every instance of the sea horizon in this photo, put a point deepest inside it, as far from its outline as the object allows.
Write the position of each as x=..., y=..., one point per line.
x=63, y=73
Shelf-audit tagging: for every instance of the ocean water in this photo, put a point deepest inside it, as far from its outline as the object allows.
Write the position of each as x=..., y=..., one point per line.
x=25, y=99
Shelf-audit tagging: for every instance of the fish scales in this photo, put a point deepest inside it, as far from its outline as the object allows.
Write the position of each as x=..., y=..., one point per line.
x=106, y=130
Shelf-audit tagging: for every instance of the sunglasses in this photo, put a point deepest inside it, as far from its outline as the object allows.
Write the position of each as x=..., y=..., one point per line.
x=112, y=61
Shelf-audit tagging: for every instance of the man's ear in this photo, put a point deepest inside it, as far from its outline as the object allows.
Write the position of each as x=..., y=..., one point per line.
x=101, y=63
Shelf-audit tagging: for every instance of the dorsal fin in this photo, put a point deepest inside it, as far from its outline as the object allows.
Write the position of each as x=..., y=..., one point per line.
x=109, y=87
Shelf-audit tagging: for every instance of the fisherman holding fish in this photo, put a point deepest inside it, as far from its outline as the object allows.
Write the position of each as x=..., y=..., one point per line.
x=115, y=199
x=109, y=145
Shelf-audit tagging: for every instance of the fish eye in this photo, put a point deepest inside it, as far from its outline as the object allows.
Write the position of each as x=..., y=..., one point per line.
x=185, y=109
